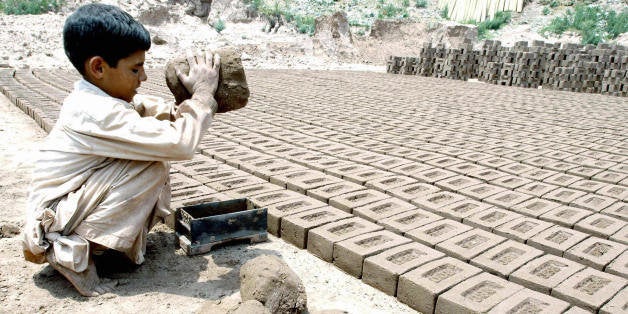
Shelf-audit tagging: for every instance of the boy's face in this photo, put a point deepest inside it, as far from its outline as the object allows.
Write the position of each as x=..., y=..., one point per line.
x=123, y=81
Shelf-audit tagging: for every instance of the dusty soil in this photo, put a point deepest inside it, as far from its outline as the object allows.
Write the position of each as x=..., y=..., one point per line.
x=169, y=281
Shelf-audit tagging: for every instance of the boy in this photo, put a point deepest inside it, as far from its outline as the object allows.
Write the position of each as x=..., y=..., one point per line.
x=101, y=181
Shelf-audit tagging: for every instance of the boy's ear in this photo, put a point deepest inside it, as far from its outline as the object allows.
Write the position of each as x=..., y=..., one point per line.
x=94, y=66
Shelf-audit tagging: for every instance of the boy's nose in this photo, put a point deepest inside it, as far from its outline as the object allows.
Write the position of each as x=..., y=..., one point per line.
x=143, y=76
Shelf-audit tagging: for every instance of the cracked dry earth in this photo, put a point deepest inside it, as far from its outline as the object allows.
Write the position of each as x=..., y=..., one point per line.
x=445, y=196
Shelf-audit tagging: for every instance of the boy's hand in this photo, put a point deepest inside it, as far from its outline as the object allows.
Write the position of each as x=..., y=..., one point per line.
x=203, y=77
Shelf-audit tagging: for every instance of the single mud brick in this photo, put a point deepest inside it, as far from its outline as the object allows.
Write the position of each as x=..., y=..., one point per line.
x=419, y=288
x=444, y=162
x=222, y=174
x=522, y=228
x=412, y=191
x=477, y=294
x=494, y=162
x=234, y=183
x=556, y=240
x=562, y=179
x=608, y=176
x=266, y=199
x=529, y=301
x=411, y=168
x=252, y=190
x=545, y=273
x=618, y=304
x=279, y=169
x=379, y=210
x=349, y=201
x=328, y=162
x=390, y=163
x=566, y=215
x=505, y=258
x=433, y=202
x=535, y=207
x=576, y=310
x=593, y=202
x=589, y=288
x=491, y=218
x=470, y=244
x=600, y=225
x=320, y=241
x=362, y=177
x=515, y=168
x=564, y=195
x=507, y=199
x=481, y=191
x=324, y=193
x=242, y=159
x=282, y=179
x=294, y=228
x=619, y=266
x=536, y=188
x=409, y=220
x=191, y=192
x=621, y=236
x=595, y=252
x=588, y=186
x=252, y=167
x=180, y=181
x=349, y=254
x=223, y=154
x=463, y=209
x=487, y=175
x=437, y=232
x=561, y=166
x=382, y=271
x=388, y=183
x=465, y=168
x=279, y=210
x=475, y=156
x=433, y=175
x=456, y=183
x=614, y=191
x=510, y=182
x=343, y=171
x=423, y=156
x=618, y=210
x=538, y=174
x=304, y=184
x=232, y=92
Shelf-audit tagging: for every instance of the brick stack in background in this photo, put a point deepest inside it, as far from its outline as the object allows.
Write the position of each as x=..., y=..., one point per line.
x=567, y=67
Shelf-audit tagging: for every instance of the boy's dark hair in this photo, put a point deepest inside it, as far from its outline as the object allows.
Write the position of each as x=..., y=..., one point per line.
x=102, y=30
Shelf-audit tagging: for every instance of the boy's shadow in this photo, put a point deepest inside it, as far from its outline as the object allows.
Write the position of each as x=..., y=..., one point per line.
x=166, y=269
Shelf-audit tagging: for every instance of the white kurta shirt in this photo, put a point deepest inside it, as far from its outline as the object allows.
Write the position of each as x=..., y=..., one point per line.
x=93, y=129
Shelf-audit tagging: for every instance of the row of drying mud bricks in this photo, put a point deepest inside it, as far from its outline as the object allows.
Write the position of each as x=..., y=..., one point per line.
x=570, y=67
x=338, y=222
x=21, y=88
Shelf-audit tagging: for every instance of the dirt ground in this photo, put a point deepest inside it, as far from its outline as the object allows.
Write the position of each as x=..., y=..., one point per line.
x=169, y=281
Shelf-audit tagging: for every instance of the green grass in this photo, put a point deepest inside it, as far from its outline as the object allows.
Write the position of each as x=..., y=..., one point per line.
x=499, y=20
x=420, y=4
x=21, y=7
x=546, y=11
x=593, y=23
x=220, y=25
x=305, y=24
x=389, y=11
x=444, y=13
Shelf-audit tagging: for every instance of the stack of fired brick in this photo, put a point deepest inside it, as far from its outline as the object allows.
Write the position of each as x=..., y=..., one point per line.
x=570, y=67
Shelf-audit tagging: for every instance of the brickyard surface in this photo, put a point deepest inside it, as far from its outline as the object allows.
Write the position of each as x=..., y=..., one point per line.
x=453, y=196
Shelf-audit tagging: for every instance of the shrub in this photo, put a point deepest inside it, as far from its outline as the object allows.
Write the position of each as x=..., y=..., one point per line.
x=444, y=13
x=554, y=3
x=405, y=3
x=495, y=23
x=305, y=24
x=420, y=4
x=546, y=11
x=21, y=7
x=389, y=10
x=220, y=26
x=594, y=24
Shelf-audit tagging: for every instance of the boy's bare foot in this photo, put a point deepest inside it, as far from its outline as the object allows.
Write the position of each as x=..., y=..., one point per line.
x=86, y=282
